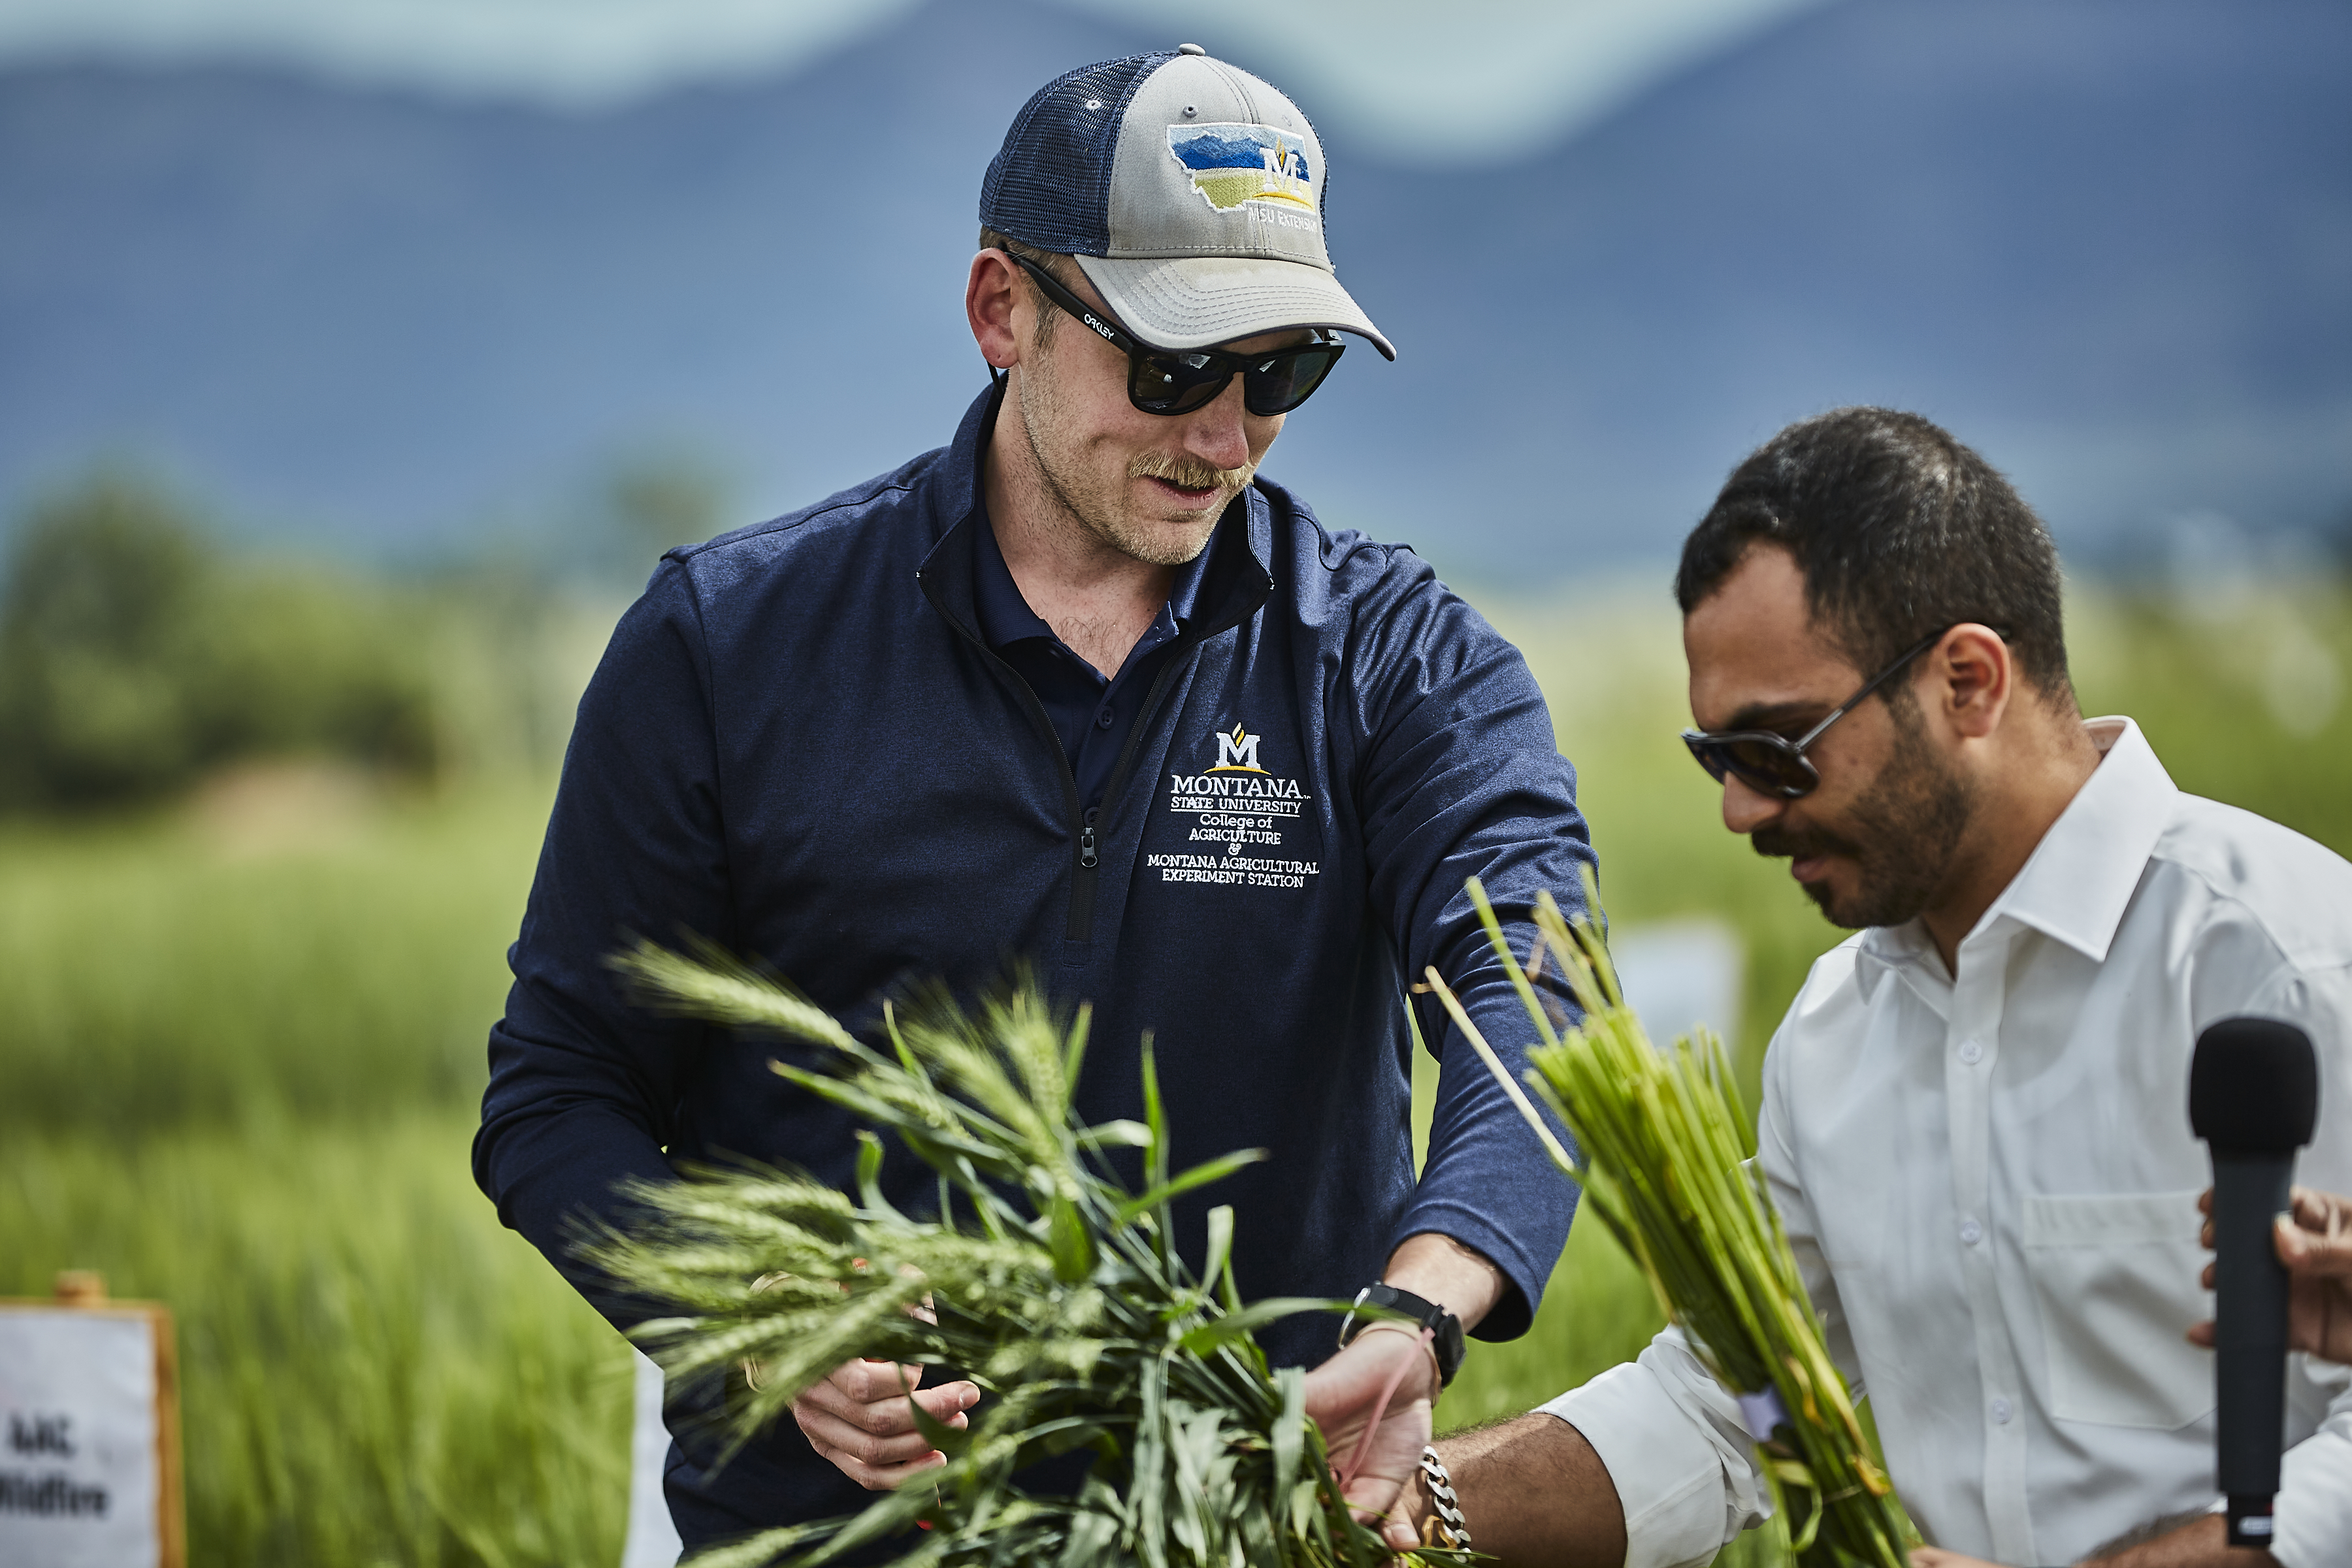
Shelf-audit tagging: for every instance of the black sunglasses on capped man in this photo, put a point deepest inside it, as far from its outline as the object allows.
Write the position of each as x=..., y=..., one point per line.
x=1775, y=765
x=1178, y=381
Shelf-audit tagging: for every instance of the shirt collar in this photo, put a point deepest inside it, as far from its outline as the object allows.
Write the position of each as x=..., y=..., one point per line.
x=2079, y=880
x=1906, y=950
x=955, y=493
x=1004, y=616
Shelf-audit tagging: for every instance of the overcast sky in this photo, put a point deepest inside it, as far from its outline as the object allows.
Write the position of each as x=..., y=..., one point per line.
x=1512, y=74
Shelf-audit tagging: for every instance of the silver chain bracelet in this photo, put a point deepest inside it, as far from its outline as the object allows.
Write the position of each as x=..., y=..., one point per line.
x=1445, y=1526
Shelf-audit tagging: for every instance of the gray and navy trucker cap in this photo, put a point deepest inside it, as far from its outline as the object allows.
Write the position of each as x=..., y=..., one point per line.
x=1191, y=193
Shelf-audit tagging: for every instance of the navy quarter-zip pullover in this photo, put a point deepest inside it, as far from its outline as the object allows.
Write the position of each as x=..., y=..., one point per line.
x=804, y=744
x=1091, y=716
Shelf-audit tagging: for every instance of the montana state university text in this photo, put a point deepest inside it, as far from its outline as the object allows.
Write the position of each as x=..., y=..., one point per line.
x=1239, y=805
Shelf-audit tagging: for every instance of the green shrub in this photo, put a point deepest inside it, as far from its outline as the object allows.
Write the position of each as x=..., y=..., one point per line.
x=105, y=591
x=134, y=656
x=290, y=659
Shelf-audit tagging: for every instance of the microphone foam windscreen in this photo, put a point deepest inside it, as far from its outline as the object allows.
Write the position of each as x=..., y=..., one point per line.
x=2253, y=1086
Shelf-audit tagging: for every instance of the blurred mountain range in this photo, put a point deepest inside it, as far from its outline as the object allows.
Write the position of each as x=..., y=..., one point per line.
x=2109, y=242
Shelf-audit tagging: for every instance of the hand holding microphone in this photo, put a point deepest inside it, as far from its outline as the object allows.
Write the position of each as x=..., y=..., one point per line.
x=2313, y=1239
x=2253, y=1097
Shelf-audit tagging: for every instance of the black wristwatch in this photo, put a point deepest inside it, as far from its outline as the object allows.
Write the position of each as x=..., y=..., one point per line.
x=1446, y=1329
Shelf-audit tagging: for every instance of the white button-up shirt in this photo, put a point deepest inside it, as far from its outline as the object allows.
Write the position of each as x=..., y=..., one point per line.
x=1991, y=1184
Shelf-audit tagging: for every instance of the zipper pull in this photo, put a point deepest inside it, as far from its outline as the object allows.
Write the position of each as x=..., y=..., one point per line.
x=1086, y=840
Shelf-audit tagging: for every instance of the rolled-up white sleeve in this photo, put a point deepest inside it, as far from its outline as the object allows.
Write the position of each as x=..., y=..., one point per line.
x=2314, y=1516
x=1677, y=1451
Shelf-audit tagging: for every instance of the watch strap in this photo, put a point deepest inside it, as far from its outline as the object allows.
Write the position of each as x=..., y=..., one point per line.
x=1446, y=1329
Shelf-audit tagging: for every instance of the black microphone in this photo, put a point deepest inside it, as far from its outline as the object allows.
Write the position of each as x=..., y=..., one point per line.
x=2253, y=1096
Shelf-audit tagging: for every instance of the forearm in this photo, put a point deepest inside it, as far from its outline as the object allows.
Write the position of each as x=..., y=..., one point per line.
x=2201, y=1540
x=1454, y=1275
x=1533, y=1492
x=2204, y=1542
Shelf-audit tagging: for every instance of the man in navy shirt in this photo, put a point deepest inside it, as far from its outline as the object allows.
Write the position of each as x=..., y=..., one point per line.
x=1079, y=692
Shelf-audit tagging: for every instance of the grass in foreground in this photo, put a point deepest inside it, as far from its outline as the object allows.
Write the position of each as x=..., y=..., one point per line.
x=1040, y=1275
x=1664, y=1161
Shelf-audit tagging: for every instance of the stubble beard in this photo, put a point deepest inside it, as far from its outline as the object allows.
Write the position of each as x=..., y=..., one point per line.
x=1902, y=836
x=1101, y=513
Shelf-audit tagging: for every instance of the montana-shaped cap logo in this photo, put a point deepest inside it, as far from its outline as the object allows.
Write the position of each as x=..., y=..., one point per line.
x=1233, y=162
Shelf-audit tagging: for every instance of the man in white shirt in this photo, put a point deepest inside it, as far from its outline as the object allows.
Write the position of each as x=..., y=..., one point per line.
x=1975, y=1114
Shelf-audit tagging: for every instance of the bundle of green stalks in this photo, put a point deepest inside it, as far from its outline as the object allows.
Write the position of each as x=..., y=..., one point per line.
x=1038, y=1275
x=1667, y=1162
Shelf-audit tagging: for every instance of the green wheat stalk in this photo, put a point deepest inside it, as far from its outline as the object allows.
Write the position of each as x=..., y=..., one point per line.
x=1667, y=1163
x=1039, y=1277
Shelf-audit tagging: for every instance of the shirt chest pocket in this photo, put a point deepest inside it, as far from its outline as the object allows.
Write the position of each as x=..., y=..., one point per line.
x=2115, y=1277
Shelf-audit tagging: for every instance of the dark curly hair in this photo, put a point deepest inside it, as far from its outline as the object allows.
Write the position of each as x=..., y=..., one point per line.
x=1898, y=529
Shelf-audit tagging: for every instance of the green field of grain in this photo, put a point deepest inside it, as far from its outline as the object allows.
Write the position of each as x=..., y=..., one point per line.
x=242, y=1044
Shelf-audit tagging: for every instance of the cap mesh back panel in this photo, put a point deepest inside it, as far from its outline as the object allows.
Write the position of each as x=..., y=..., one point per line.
x=1049, y=185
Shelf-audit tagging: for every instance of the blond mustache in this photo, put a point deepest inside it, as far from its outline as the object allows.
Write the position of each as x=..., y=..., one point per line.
x=1189, y=473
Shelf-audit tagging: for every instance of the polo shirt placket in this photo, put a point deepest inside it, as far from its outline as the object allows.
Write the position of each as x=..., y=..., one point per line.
x=1091, y=715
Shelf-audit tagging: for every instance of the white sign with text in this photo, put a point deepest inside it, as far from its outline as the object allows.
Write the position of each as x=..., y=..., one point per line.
x=80, y=1475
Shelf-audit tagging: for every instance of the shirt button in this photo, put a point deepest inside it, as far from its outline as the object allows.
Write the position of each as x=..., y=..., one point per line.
x=1971, y=1053
x=1106, y=718
x=1970, y=1231
x=2000, y=1412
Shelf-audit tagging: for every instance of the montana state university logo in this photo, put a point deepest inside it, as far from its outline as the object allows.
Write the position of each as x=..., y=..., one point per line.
x=1237, y=753
x=1240, y=816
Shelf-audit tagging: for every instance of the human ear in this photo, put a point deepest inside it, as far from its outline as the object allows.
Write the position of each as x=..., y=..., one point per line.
x=992, y=304
x=1973, y=675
